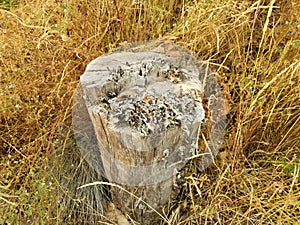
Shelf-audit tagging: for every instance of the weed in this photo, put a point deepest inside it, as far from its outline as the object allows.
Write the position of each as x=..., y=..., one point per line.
x=253, y=48
x=7, y=4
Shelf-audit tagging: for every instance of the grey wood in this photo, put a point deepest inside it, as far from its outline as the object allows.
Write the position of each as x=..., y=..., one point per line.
x=145, y=104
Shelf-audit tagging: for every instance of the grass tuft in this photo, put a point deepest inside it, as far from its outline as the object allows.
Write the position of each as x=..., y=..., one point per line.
x=252, y=46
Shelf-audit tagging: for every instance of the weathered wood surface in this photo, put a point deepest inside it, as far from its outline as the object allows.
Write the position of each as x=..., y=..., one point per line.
x=146, y=109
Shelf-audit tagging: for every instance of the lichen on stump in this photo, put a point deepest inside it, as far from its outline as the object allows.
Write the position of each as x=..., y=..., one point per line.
x=145, y=104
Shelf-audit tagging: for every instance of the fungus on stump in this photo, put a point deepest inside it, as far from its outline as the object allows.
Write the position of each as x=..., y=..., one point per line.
x=145, y=104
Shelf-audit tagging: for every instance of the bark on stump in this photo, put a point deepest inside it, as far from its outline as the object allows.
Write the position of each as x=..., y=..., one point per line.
x=146, y=109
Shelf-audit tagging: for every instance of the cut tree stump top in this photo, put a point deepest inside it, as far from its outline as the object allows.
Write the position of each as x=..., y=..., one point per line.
x=144, y=104
x=146, y=109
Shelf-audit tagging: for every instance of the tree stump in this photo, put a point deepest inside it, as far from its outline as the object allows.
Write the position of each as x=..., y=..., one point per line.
x=145, y=104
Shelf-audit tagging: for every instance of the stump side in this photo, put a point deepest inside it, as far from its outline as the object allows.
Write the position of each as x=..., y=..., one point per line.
x=146, y=110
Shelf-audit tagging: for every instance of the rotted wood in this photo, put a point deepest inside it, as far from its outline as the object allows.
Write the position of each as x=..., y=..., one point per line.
x=145, y=104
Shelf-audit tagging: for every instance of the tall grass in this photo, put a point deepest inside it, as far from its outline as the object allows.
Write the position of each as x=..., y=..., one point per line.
x=252, y=46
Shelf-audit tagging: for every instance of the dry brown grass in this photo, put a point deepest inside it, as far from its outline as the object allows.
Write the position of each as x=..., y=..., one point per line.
x=254, y=46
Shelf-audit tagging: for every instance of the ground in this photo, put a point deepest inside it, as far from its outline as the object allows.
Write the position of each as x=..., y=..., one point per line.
x=253, y=48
